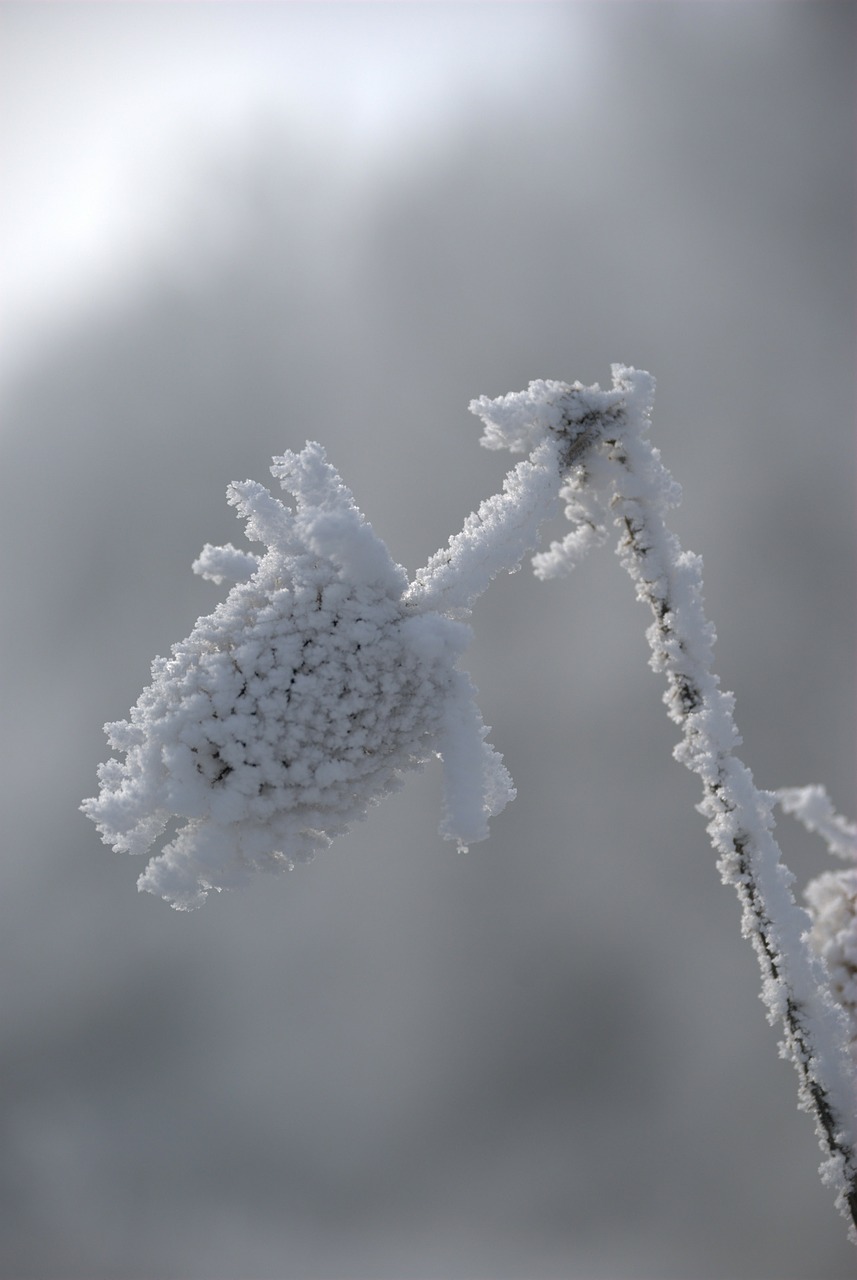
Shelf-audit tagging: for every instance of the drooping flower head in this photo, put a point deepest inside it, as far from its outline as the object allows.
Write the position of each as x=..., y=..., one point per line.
x=324, y=676
x=299, y=701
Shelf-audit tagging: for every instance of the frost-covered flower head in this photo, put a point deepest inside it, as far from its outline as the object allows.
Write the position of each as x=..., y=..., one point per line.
x=324, y=675
x=300, y=700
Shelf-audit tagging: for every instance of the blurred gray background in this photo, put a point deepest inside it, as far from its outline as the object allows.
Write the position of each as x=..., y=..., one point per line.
x=227, y=228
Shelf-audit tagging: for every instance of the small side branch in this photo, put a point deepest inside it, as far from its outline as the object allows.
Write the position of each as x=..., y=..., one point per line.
x=506, y=527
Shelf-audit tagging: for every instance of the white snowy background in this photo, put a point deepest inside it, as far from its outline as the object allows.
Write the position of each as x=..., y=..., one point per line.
x=227, y=228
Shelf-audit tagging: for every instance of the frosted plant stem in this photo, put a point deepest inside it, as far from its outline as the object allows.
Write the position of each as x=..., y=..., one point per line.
x=506, y=527
x=794, y=980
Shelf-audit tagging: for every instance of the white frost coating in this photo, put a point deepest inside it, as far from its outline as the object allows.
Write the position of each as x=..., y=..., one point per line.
x=832, y=902
x=813, y=807
x=225, y=564
x=556, y=421
x=669, y=580
x=474, y=778
x=621, y=476
x=832, y=896
x=584, y=493
x=299, y=702
x=520, y=420
x=495, y=538
x=324, y=676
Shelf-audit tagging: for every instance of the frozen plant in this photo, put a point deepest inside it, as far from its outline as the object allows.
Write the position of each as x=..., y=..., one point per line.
x=325, y=675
